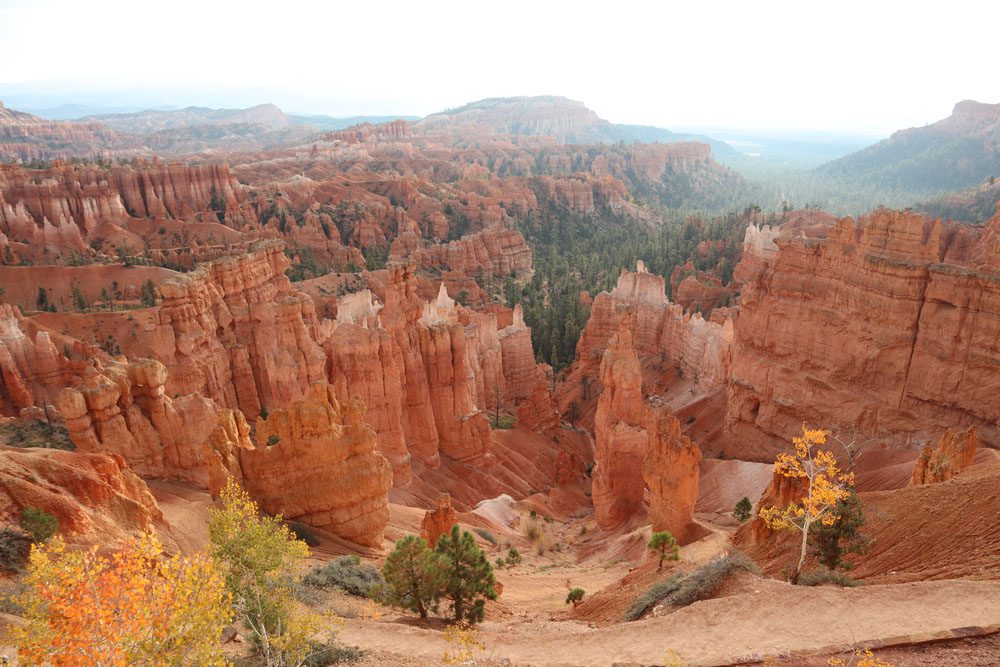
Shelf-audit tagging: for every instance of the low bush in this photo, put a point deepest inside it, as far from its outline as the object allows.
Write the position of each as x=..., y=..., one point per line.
x=332, y=652
x=706, y=580
x=38, y=523
x=681, y=590
x=657, y=592
x=575, y=596
x=347, y=573
x=532, y=527
x=36, y=434
x=514, y=557
x=486, y=535
x=503, y=422
x=825, y=576
x=11, y=595
x=15, y=547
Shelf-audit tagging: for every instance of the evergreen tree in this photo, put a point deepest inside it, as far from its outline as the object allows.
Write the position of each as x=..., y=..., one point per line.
x=79, y=302
x=664, y=543
x=414, y=576
x=834, y=541
x=147, y=294
x=468, y=575
x=743, y=510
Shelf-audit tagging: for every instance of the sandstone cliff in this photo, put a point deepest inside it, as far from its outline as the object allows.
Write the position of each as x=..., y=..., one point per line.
x=63, y=205
x=888, y=326
x=32, y=370
x=235, y=331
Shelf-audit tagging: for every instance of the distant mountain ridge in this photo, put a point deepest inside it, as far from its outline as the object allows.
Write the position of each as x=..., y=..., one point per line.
x=960, y=151
x=192, y=129
x=565, y=120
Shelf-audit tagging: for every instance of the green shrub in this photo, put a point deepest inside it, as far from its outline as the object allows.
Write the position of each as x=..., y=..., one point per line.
x=652, y=597
x=304, y=533
x=502, y=421
x=331, y=652
x=272, y=440
x=825, y=576
x=486, y=535
x=414, y=576
x=39, y=523
x=743, y=510
x=514, y=557
x=347, y=573
x=681, y=590
x=575, y=596
x=36, y=434
x=466, y=574
x=831, y=542
x=15, y=547
x=706, y=580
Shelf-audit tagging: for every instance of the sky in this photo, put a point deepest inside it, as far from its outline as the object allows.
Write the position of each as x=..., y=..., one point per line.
x=854, y=67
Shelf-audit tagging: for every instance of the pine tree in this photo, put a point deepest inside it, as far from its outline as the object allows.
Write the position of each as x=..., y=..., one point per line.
x=664, y=543
x=414, y=576
x=831, y=542
x=147, y=294
x=79, y=302
x=468, y=575
x=743, y=510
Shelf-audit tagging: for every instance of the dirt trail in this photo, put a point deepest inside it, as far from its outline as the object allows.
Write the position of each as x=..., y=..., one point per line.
x=720, y=631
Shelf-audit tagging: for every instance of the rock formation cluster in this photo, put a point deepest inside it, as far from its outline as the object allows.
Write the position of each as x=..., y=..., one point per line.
x=637, y=446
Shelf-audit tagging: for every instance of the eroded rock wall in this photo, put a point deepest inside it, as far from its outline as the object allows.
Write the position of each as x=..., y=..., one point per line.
x=889, y=326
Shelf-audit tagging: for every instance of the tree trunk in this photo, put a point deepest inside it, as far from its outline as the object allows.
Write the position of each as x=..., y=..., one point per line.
x=802, y=553
x=421, y=609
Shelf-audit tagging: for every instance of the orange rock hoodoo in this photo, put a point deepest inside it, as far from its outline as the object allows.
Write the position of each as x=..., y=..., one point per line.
x=666, y=339
x=32, y=371
x=316, y=462
x=638, y=446
x=438, y=521
x=954, y=453
x=671, y=471
x=235, y=331
x=620, y=437
x=428, y=371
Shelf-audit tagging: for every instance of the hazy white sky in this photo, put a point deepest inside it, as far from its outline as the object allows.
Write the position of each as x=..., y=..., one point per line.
x=870, y=66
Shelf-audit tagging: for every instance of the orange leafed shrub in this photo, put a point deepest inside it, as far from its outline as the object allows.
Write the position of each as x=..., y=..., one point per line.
x=135, y=607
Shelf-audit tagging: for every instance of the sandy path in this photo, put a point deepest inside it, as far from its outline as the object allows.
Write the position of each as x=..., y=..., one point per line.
x=717, y=632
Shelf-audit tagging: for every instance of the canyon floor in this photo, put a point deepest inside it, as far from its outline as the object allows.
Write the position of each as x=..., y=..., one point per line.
x=766, y=619
x=752, y=619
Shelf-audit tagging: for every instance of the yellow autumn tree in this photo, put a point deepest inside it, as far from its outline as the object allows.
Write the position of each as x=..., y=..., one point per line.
x=261, y=558
x=135, y=607
x=825, y=485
